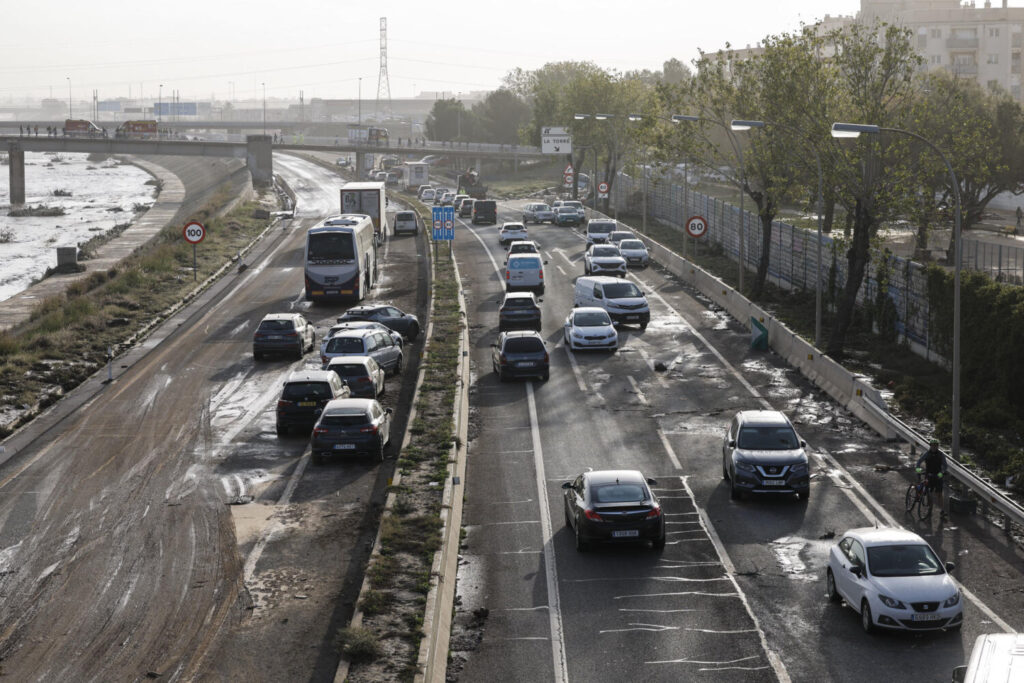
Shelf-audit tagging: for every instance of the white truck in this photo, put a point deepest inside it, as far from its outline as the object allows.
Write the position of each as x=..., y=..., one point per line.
x=370, y=199
x=416, y=174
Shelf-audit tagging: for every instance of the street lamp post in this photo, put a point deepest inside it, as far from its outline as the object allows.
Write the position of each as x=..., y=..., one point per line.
x=70, y=115
x=359, y=123
x=853, y=130
x=159, y=102
x=739, y=125
x=264, y=107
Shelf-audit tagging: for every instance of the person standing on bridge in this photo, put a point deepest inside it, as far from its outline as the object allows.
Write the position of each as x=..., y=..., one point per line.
x=37, y=131
x=1020, y=216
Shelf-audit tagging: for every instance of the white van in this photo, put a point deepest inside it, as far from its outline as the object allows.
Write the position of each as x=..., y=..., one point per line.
x=996, y=658
x=598, y=230
x=524, y=271
x=624, y=301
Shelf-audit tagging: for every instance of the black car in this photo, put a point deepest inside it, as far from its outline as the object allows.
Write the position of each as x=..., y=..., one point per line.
x=303, y=397
x=520, y=354
x=485, y=211
x=613, y=506
x=519, y=310
x=404, y=323
x=352, y=426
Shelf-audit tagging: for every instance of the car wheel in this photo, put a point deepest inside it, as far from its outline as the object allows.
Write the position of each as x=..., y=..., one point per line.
x=866, y=621
x=383, y=388
x=830, y=587
x=568, y=517
x=643, y=326
x=300, y=351
x=414, y=332
x=380, y=451
x=659, y=543
x=725, y=471
x=501, y=376
x=804, y=496
x=581, y=545
x=398, y=365
x=545, y=376
x=257, y=355
x=735, y=493
x=318, y=458
x=281, y=430
x=586, y=271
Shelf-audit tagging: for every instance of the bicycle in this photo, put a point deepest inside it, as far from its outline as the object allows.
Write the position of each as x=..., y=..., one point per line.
x=919, y=496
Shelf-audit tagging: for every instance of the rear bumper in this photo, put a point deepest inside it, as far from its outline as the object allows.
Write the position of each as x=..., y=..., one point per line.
x=604, y=532
x=346, y=447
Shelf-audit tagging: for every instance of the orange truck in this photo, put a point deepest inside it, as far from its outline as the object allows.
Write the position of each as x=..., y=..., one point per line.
x=137, y=129
x=82, y=128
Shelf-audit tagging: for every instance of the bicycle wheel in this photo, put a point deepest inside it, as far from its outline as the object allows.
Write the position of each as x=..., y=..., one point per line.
x=924, y=511
x=912, y=499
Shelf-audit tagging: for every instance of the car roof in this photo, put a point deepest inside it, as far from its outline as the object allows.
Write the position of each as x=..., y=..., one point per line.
x=525, y=255
x=763, y=417
x=348, y=406
x=309, y=376
x=598, y=477
x=589, y=309
x=515, y=242
x=870, y=536
x=601, y=279
x=359, y=333
x=522, y=333
x=405, y=214
x=512, y=224
x=518, y=295
x=280, y=316
x=602, y=221
x=623, y=232
x=349, y=360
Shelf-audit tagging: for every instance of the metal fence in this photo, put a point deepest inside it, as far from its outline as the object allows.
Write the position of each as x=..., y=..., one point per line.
x=1001, y=262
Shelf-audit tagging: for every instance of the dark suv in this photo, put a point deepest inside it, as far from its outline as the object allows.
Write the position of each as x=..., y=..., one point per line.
x=485, y=211
x=520, y=354
x=304, y=396
x=404, y=323
x=762, y=453
x=519, y=310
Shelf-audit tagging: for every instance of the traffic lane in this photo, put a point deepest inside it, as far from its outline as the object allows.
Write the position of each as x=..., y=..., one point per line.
x=784, y=548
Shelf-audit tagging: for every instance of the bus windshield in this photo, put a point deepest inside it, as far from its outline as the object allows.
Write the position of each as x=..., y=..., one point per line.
x=331, y=246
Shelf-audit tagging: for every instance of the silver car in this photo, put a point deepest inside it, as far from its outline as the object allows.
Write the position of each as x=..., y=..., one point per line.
x=635, y=252
x=538, y=212
x=379, y=346
x=604, y=259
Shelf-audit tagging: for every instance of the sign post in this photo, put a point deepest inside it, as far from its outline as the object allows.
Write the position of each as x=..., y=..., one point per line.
x=696, y=227
x=602, y=190
x=194, y=233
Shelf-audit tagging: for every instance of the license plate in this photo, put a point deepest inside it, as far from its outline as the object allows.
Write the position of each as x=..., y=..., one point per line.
x=275, y=336
x=632, y=317
x=344, y=446
x=627, y=533
x=529, y=364
x=773, y=482
x=307, y=404
x=925, y=617
x=332, y=291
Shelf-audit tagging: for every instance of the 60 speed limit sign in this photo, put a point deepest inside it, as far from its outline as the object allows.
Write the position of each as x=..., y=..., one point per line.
x=194, y=232
x=696, y=226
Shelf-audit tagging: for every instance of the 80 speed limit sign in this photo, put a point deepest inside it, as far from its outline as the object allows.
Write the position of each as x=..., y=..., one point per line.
x=696, y=226
x=194, y=232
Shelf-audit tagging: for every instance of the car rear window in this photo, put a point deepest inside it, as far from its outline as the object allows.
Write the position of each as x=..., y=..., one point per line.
x=768, y=438
x=276, y=326
x=406, y=216
x=353, y=420
x=519, y=302
x=524, y=263
x=618, y=493
x=523, y=345
x=350, y=370
x=522, y=249
x=306, y=391
x=345, y=345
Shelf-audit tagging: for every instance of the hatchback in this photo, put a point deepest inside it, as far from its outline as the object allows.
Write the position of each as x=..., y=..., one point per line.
x=390, y=316
x=519, y=310
x=616, y=236
x=304, y=395
x=894, y=579
x=427, y=195
x=578, y=205
x=361, y=374
x=761, y=453
x=613, y=506
x=510, y=232
x=520, y=354
x=359, y=325
x=283, y=333
x=521, y=247
x=457, y=202
x=351, y=426
x=466, y=207
x=378, y=345
x=590, y=328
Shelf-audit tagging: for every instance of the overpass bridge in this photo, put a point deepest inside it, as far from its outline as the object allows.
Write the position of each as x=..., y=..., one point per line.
x=257, y=150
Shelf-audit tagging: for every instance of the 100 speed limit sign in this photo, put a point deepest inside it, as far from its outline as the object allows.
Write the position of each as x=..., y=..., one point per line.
x=696, y=226
x=194, y=232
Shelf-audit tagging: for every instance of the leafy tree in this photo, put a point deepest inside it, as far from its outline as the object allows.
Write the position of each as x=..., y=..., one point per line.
x=450, y=120
x=500, y=116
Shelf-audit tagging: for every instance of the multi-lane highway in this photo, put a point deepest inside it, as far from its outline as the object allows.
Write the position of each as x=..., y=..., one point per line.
x=738, y=593
x=162, y=529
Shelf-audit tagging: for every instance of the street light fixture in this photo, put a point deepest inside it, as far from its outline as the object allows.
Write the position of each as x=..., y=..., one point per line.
x=853, y=130
x=741, y=125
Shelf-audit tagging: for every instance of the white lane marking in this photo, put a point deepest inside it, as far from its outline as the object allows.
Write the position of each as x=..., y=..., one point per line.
x=576, y=369
x=555, y=613
x=559, y=269
x=730, y=568
x=654, y=628
x=698, y=661
x=671, y=454
x=669, y=595
x=639, y=392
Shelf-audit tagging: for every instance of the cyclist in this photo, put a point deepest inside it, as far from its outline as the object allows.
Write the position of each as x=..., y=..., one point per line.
x=935, y=466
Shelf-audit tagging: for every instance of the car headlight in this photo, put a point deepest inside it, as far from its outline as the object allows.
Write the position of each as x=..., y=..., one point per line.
x=744, y=466
x=577, y=334
x=952, y=600
x=800, y=468
x=891, y=602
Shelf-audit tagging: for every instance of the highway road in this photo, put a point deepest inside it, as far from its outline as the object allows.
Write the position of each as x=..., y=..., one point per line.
x=738, y=593
x=161, y=529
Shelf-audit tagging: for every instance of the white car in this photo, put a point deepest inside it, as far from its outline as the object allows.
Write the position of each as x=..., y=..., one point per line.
x=604, y=259
x=511, y=232
x=427, y=195
x=894, y=579
x=590, y=328
x=521, y=247
x=578, y=205
x=635, y=252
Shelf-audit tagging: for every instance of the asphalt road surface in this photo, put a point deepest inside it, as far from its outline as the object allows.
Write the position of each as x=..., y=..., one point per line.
x=160, y=528
x=738, y=593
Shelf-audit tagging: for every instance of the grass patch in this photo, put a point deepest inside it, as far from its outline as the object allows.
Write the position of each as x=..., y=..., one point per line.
x=359, y=644
x=376, y=602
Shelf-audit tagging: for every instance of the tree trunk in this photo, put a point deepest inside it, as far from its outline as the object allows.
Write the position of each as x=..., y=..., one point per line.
x=767, y=216
x=829, y=208
x=856, y=265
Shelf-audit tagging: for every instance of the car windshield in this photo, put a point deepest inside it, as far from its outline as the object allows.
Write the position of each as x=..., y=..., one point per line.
x=352, y=370
x=604, y=251
x=351, y=345
x=524, y=345
x=603, y=228
x=622, y=290
x=631, y=244
x=524, y=263
x=276, y=326
x=903, y=560
x=575, y=205
x=768, y=438
x=306, y=391
x=618, y=493
x=344, y=420
x=592, y=319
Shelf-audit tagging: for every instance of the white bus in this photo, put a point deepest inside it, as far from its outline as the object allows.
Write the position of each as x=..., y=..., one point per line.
x=340, y=258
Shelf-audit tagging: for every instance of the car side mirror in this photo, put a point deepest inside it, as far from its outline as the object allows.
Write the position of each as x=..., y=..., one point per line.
x=857, y=570
x=732, y=443
x=652, y=482
x=389, y=410
x=540, y=301
x=567, y=485
x=545, y=263
x=960, y=674
x=950, y=566
x=803, y=444
x=494, y=346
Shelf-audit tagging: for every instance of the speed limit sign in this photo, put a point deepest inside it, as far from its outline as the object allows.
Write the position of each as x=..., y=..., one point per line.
x=194, y=232
x=696, y=226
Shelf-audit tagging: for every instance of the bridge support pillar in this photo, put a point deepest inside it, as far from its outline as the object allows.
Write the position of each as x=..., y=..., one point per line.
x=16, y=155
x=360, y=168
x=259, y=159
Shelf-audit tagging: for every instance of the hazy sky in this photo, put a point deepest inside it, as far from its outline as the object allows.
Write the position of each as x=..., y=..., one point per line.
x=324, y=47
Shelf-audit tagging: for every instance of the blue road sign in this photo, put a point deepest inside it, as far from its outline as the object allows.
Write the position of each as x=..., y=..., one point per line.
x=437, y=218
x=449, y=222
x=444, y=222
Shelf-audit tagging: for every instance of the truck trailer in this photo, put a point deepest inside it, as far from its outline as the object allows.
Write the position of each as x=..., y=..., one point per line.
x=369, y=199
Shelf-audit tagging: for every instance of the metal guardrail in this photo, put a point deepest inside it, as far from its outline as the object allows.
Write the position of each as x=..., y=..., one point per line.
x=987, y=493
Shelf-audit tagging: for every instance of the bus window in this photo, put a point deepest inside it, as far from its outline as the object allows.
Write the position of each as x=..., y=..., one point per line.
x=331, y=247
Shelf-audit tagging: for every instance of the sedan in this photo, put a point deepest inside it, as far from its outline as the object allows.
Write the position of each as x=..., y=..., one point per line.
x=350, y=426
x=387, y=315
x=590, y=328
x=511, y=232
x=894, y=579
x=538, y=212
x=604, y=259
x=567, y=215
x=635, y=252
x=613, y=506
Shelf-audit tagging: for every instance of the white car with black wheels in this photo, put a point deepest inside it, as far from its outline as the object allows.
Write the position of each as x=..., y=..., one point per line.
x=894, y=579
x=512, y=232
x=590, y=328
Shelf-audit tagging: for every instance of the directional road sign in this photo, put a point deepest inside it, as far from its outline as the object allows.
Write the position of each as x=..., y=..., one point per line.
x=555, y=141
x=696, y=226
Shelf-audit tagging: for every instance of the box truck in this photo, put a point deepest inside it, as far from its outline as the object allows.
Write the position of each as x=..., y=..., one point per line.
x=370, y=199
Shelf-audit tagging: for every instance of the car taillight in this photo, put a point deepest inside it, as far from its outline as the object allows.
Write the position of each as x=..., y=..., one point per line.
x=281, y=403
x=545, y=356
x=369, y=429
x=506, y=274
x=541, y=273
x=655, y=512
x=592, y=516
x=502, y=360
x=364, y=380
x=319, y=431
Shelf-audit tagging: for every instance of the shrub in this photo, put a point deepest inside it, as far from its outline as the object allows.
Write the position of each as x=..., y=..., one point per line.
x=359, y=644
